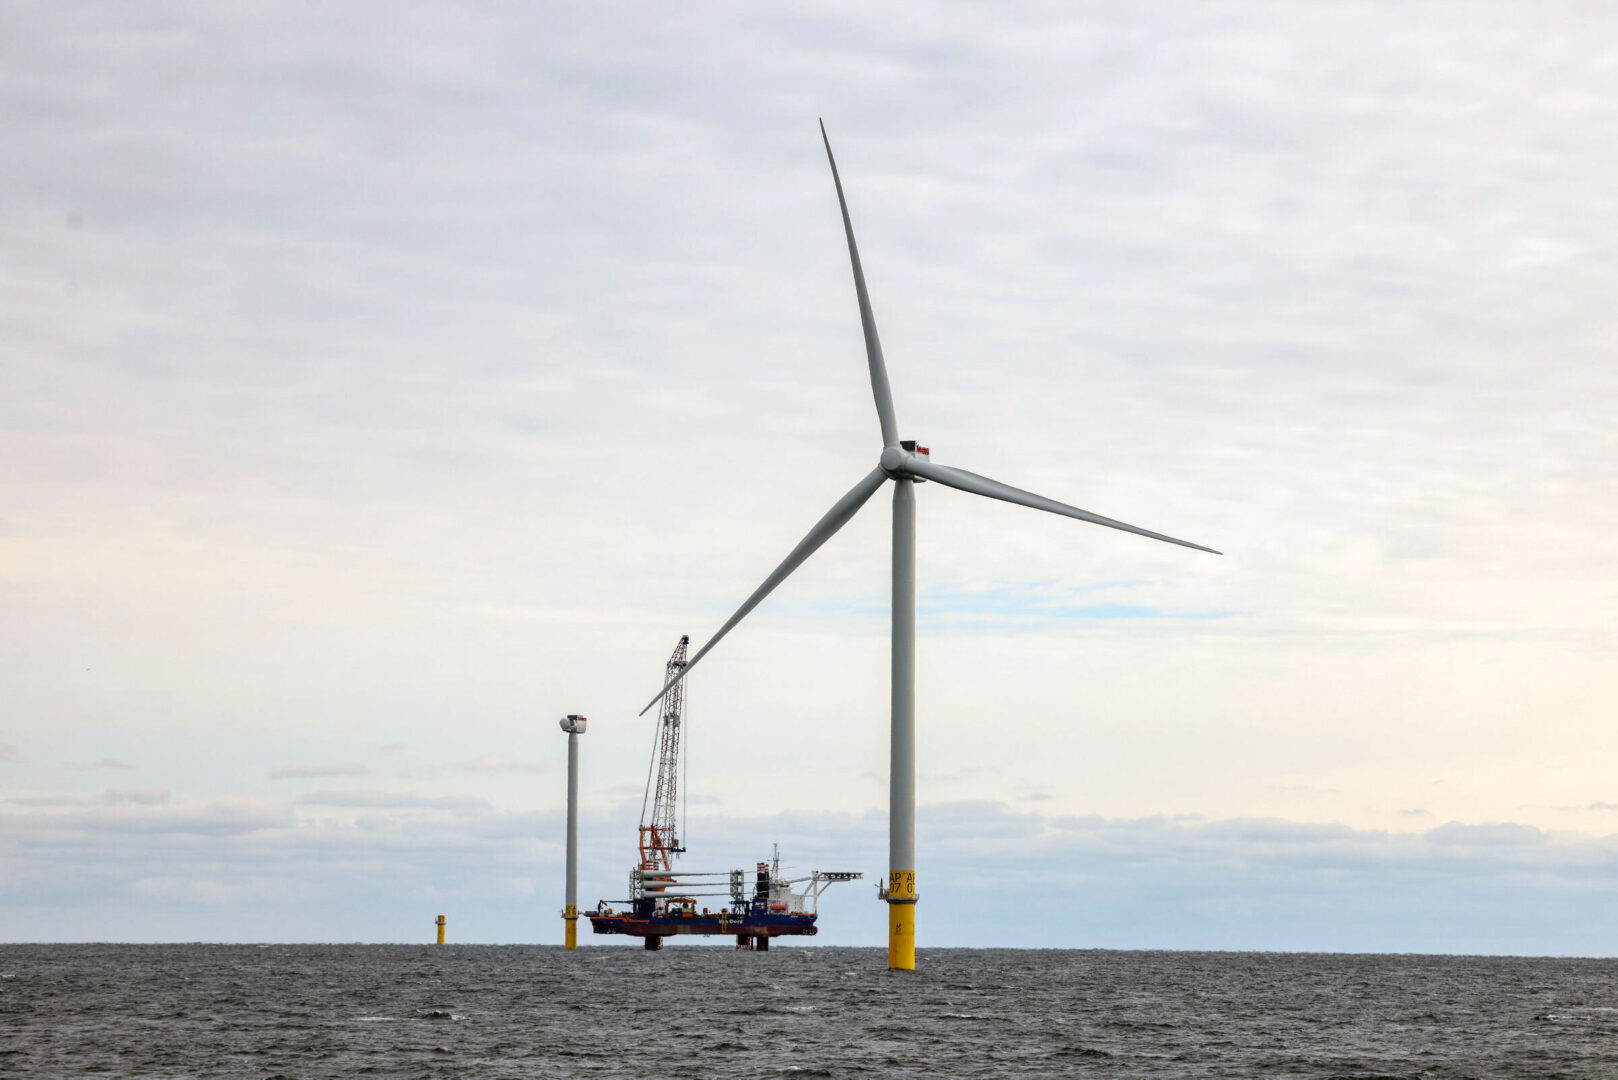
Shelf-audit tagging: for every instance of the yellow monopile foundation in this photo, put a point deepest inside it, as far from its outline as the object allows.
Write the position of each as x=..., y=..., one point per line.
x=902, y=920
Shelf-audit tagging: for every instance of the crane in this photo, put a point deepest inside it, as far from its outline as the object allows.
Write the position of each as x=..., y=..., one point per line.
x=663, y=902
x=659, y=809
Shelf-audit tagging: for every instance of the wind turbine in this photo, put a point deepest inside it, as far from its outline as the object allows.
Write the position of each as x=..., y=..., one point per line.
x=905, y=463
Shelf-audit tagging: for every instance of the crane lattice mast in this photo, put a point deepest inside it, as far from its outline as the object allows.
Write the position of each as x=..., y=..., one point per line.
x=659, y=815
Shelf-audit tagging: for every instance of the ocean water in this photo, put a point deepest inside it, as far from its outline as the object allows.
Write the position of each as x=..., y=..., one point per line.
x=495, y=1011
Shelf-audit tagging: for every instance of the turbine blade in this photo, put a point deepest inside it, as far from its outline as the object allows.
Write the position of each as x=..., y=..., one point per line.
x=824, y=530
x=962, y=480
x=873, y=347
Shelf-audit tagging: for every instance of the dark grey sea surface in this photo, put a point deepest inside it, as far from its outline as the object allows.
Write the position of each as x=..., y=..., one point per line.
x=494, y=1011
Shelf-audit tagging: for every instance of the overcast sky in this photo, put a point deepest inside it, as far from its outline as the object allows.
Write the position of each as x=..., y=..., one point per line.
x=380, y=382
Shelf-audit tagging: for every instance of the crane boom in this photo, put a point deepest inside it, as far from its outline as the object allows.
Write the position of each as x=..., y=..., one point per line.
x=659, y=817
x=663, y=901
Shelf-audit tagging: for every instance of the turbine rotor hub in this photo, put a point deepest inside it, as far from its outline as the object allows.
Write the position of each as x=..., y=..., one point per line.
x=893, y=459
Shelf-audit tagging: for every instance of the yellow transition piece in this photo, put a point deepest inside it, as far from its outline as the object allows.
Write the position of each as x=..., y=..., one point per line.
x=901, y=920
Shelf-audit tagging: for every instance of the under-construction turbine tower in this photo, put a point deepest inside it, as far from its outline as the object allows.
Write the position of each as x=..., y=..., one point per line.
x=659, y=810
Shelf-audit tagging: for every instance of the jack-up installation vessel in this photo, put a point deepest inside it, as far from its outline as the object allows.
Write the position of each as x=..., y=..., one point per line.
x=665, y=902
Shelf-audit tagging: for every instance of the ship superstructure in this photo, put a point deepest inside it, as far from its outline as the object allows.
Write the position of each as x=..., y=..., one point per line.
x=664, y=902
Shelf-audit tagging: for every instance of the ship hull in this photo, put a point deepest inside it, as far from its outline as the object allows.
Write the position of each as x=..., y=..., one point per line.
x=749, y=926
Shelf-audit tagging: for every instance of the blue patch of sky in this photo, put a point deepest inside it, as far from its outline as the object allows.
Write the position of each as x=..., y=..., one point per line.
x=1026, y=603
x=1035, y=602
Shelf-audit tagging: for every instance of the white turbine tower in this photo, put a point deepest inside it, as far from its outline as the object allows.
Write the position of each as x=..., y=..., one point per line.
x=904, y=463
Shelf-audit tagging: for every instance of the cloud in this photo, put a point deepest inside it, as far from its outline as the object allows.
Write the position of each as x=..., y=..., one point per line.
x=1155, y=881
x=1280, y=831
x=8, y=752
x=139, y=796
x=381, y=800
x=303, y=772
x=104, y=763
x=146, y=813
x=1490, y=834
x=496, y=764
x=259, y=864
x=110, y=797
x=979, y=820
x=42, y=801
x=176, y=890
x=1033, y=607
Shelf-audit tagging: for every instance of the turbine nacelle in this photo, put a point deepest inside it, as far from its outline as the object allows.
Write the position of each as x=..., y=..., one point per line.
x=895, y=460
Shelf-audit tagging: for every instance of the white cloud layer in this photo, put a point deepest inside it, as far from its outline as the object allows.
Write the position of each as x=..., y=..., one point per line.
x=411, y=375
x=249, y=870
x=488, y=763
x=307, y=771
